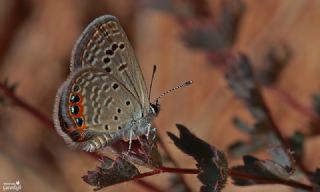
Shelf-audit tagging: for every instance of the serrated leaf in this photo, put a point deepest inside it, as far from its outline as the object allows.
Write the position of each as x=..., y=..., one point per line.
x=110, y=172
x=261, y=168
x=242, y=126
x=282, y=157
x=143, y=152
x=315, y=178
x=275, y=61
x=259, y=138
x=241, y=79
x=240, y=148
x=211, y=162
x=297, y=143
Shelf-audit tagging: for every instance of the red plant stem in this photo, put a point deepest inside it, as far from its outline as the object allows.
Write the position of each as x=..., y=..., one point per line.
x=278, y=133
x=37, y=114
x=232, y=173
x=264, y=180
x=175, y=163
x=17, y=101
x=274, y=126
x=167, y=170
x=292, y=102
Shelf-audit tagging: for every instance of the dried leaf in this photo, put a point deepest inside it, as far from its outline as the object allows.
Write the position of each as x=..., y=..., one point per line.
x=110, y=172
x=315, y=177
x=143, y=152
x=211, y=162
x=275, y=61
x=261, y=168
x=220, y=36
x=240, y=148
x=297, y=143
x=241, y=79
x=259, y=138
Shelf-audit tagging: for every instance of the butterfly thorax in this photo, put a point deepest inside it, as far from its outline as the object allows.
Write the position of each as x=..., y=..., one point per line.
x=142, y=125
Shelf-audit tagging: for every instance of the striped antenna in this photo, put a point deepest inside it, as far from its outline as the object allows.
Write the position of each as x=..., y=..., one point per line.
x=187, y=83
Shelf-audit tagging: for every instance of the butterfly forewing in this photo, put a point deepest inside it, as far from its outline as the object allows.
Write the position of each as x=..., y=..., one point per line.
x=104, y=44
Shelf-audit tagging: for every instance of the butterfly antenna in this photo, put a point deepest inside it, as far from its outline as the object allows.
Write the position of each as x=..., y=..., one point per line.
x=152, y=77
x=187, y=83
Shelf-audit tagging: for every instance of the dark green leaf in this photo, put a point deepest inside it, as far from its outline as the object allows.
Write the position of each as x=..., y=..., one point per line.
x=211, y=162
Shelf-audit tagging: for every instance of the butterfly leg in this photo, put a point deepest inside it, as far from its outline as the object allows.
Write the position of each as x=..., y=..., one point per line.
x=148, y=131
x=130, y=140
x=151, y=133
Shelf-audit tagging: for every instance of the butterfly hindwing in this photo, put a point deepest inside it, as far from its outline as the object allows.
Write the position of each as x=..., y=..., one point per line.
x=94, y=105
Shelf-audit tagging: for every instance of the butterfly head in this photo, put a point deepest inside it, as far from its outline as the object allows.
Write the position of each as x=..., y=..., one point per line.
x=155, y=107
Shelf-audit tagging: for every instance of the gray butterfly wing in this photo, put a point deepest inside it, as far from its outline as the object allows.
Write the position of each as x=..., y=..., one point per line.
x=94, y=109
x=104, y=44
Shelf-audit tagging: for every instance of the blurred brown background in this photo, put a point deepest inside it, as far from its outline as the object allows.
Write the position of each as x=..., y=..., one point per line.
x=36, y=38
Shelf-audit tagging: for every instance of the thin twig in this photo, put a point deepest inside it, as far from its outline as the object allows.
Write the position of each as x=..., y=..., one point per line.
x=23, y=105
x=265, y=180
x=303, y=110
x=277, y=131
x=260, y=179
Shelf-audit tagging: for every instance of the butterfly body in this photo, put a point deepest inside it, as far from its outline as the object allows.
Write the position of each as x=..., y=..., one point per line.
x=105, y=97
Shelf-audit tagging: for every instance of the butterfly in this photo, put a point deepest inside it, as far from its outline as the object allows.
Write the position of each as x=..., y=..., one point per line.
x=105, y=98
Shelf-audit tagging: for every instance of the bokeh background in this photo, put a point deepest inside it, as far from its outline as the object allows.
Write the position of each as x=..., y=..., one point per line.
x=36, y=39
